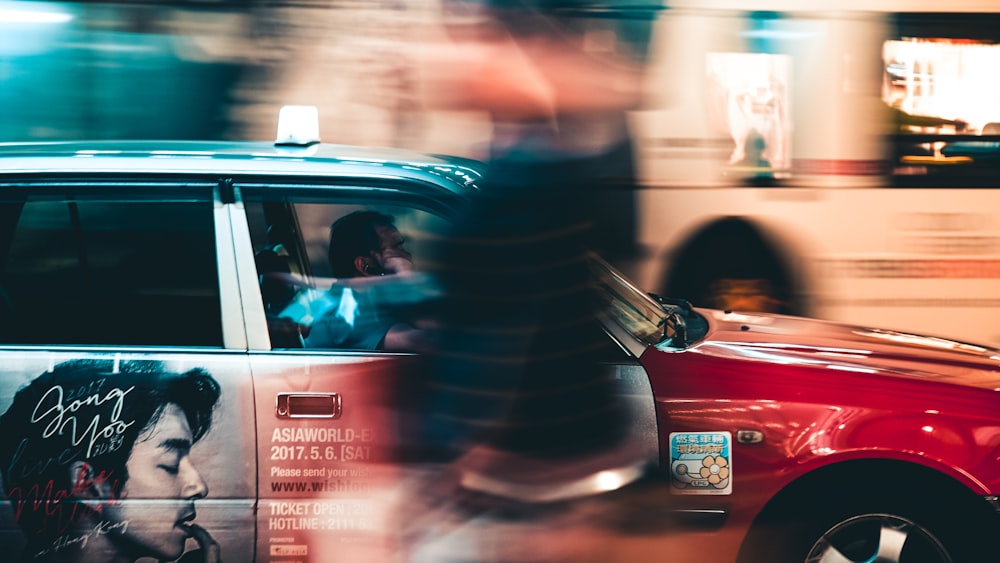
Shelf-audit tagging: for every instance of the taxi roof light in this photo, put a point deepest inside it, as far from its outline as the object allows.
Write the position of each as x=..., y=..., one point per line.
x=298, y=126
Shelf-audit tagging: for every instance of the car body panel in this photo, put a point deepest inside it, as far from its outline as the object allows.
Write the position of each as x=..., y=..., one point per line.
x=805, y=394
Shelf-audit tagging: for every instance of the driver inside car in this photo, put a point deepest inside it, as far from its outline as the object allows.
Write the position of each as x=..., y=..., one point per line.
x=374, y=284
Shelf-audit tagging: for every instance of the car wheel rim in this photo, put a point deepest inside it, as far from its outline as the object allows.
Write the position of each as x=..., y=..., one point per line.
x=878, y=538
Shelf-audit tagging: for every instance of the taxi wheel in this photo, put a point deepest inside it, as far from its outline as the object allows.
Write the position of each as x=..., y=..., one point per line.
x=914, y=525
x=879, y=537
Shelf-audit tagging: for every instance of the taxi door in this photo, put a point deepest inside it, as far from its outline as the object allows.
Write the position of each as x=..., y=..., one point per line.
x=125, y=394
x=328, y=431
x=331, y=424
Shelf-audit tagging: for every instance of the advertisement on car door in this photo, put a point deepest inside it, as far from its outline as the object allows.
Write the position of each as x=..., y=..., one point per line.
x=330, y=437
x=125, y=457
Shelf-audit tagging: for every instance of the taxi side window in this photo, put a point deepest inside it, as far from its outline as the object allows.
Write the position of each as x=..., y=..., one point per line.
x=307, y=303
x=108, y=270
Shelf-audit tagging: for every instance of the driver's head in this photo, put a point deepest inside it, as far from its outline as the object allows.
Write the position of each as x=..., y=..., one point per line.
x=367, y=243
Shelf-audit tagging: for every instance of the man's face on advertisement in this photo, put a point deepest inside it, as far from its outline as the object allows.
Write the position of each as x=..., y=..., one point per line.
x=159, y=467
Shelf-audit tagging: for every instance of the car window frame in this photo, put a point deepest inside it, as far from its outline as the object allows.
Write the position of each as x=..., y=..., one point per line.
x=401, y=192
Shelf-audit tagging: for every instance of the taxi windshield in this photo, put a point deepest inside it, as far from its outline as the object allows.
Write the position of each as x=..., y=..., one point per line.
x=635, y=311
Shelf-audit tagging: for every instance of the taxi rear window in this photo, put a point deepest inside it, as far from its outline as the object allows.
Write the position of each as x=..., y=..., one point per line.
x=92, y=269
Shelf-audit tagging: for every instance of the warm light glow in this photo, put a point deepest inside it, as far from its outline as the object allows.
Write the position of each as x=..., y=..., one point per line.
x=935, y=342
x=941, y=79
x=609, y=480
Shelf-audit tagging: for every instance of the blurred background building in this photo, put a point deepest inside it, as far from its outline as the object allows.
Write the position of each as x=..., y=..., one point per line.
x=826, y=158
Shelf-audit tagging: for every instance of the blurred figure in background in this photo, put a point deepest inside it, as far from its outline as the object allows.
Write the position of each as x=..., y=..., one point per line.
x=527, y=422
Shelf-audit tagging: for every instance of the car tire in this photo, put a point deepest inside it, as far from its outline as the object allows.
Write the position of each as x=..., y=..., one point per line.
x=869, y=525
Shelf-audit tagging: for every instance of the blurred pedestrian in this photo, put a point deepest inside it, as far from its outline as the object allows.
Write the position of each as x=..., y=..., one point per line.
x=523, y=414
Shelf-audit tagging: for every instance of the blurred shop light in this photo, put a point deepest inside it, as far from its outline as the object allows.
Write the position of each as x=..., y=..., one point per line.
x=37, y=13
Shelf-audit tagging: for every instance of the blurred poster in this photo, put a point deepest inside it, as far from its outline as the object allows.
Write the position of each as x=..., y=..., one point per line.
x=748, y=97
x=331, y=432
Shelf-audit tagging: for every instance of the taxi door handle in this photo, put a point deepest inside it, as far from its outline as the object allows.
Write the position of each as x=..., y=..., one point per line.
x=308, y=405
